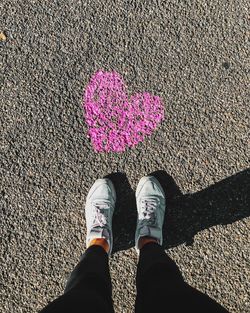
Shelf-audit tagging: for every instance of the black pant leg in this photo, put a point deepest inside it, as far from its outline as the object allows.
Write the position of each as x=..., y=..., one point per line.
x=89, y=288
x=161, y=288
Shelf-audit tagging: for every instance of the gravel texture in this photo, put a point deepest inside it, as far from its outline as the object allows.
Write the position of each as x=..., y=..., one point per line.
x=195, y=56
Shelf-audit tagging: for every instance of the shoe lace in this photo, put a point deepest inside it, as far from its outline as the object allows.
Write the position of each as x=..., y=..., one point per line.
x=147, y=213
x=100, y=214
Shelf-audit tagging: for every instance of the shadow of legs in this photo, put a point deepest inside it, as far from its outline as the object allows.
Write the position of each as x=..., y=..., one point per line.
x=222, y=203
x=124, y=220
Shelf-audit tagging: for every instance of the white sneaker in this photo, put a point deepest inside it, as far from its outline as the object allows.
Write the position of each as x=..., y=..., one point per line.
x=151, y=202
x=99, y=209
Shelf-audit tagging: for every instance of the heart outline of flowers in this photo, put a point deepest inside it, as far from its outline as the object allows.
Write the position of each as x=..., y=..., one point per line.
x=114, y=120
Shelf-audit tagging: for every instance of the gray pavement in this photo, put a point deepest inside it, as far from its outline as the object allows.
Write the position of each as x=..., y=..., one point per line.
x=195, y=55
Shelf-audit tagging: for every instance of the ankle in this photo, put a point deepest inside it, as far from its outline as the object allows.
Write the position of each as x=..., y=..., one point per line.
x=102, y=242
x=145, y=240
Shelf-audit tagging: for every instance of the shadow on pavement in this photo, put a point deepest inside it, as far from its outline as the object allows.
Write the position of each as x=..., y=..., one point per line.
x=222, y=203
x=124, y=219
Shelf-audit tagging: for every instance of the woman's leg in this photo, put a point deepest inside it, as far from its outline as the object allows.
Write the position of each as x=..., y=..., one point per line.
x=161, y=288
x=89, y=286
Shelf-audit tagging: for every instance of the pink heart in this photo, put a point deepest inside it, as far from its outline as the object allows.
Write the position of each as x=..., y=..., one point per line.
x=114, y=121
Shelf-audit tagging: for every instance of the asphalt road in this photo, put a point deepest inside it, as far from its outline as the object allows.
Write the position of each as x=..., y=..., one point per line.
x=195, y=56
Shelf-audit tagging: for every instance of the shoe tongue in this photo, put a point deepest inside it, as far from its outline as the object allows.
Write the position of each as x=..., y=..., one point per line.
x=149, y=231
x=98, y=232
